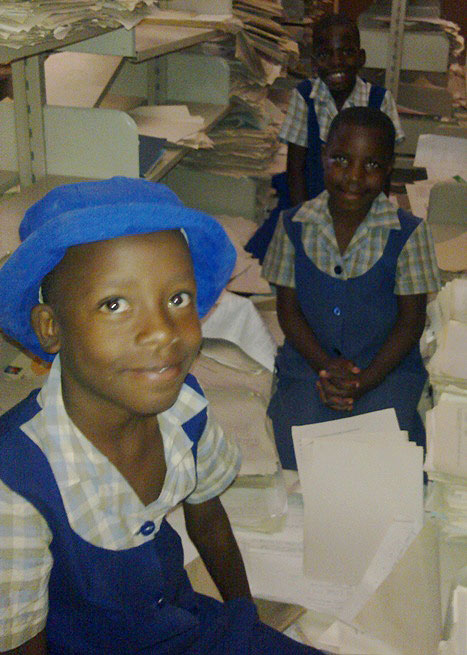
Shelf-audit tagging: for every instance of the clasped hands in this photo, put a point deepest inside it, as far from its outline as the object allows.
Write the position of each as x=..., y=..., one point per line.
x=340, y=384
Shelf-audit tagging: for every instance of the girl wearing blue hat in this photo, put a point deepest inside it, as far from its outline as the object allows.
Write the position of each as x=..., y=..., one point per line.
x=109, y=282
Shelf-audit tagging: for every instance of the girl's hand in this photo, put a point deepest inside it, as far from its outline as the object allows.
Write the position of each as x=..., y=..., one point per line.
x=338, y=384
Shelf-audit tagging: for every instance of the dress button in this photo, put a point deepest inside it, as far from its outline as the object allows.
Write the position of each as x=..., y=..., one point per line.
x=161, y=601
x=337, y=311
x=337, y=269
x=147, y=528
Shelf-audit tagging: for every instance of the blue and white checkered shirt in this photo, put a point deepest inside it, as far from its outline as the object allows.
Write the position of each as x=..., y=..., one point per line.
x=417, y=270
x=295, y=126
x=101, y=506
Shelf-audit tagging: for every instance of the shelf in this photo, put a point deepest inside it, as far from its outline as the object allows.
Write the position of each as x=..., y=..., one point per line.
x=8, y=55
x=212, y=114
x=156, y=40
x=145, y=41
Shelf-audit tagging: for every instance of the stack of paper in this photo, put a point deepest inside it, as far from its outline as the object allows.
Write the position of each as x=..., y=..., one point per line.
x=173, y=123
x=237, y=151
x=441, y=198
x=245, y=140
x=446, y=424
x=235, y=369
x=29, y=22
x=446, y=464
x=448, y=324
x=263, y=31
x=362, y=486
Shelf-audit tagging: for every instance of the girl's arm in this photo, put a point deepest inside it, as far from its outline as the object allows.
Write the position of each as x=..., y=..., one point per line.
x=35, y=646
x=298, y=332
x=209, y=529
x=404, y=335
x=296, y=160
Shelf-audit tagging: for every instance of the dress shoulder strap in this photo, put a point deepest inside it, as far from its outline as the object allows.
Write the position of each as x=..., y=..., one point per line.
x=408, y=221
x=304, y=89
x=377, y=94
x=195, y=426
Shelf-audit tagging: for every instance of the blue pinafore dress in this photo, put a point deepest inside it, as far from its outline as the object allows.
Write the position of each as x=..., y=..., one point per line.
x=314, y=174
x=137, y=601
x=350, y=318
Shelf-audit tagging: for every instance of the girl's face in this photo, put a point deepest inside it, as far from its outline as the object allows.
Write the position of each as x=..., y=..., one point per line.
x=126, y=324
x=356, y=164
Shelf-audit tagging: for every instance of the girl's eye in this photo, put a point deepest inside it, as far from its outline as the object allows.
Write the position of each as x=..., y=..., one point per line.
x=341, y=160
x=181, y=299
x=114, y=306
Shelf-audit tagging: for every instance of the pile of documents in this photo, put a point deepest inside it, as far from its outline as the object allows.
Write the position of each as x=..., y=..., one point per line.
x=242, y=151
x=29, y=22
x=446, y=423
x=235, y=369
x=246, y=140
x=263, y=31
x=360, y=506
x=441, y=198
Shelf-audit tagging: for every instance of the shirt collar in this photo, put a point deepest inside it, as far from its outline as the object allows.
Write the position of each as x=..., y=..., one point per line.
x=71, y=453
x=382, y=212
x=320, y=90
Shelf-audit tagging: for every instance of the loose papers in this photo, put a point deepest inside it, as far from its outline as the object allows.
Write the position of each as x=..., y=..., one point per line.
x=355, y=486
x=362, y=505
x=171, y=122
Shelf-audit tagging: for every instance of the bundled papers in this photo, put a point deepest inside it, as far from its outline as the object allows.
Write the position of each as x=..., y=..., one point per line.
x=358, y=483
x=446, y=423
x=29, y=22
x=362, y=505
x=173, y=123
x=448, y=325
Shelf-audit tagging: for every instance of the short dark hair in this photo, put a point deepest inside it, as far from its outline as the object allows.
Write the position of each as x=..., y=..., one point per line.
x=366, y=117
x=330, y=20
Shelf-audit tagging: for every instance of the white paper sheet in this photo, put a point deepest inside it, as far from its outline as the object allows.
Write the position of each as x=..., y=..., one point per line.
x=171, y=122
x=352, y=492
x=442, y=153
x=446, y=427
x=383, y=420
x=236, y=319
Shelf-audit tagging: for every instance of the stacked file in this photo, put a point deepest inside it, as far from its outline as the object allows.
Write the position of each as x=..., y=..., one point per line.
x=448, y=319
x=235, y=370
x=29, y=22
x=362, y=491
x=263, y=31
x=246, y=139
x=446, y=423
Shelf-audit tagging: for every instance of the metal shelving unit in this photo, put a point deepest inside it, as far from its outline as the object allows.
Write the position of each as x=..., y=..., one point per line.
x=145, y=45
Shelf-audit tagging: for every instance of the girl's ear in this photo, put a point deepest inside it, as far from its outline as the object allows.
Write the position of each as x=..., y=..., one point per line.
x=46, y=327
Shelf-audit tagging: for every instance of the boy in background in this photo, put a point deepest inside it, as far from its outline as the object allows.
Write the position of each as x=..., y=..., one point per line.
x=337, y=57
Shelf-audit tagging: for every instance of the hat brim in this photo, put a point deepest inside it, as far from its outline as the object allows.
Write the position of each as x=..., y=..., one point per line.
x=21, y=276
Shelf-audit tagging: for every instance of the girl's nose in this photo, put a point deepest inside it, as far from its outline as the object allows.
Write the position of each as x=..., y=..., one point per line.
x=156, y=328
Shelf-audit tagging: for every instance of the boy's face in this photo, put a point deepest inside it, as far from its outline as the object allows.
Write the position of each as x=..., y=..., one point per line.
x=338, y=58
x=125, y=322
x=356, y=164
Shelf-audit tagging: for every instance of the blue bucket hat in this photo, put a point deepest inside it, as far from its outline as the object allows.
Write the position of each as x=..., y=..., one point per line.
x=75, y=214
